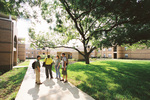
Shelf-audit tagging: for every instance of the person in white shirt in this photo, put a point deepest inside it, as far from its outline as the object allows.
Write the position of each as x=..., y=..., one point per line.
x=64, y=68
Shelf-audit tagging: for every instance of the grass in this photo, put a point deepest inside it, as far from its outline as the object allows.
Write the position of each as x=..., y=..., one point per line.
x=10, y=83
x=112, y=79
x=25, y=63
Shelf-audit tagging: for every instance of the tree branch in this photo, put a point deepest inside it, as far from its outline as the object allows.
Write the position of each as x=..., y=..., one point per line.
x=75, y=21
x=109, y=28
x=86, y=12
x=91, y=50
x=90, y=26
x=67, y=8
x=69, y=48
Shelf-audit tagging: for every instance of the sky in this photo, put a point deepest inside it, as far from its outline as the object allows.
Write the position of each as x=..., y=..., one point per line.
x=41, y=26
x=23, y=26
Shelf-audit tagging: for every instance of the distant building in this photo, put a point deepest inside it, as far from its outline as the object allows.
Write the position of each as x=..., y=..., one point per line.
x=119, y=52
x=8, y=42
x=32, y=53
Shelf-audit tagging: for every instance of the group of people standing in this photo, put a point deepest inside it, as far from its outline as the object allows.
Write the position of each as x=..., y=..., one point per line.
x=48, y=62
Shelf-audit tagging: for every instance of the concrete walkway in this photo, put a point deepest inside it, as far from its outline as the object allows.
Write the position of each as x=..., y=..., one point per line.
x=51, y=89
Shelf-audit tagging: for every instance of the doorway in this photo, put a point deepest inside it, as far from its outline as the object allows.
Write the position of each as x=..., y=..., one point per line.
x=115, y=55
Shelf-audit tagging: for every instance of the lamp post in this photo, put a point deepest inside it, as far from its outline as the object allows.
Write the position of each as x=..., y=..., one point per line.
x=47, y=51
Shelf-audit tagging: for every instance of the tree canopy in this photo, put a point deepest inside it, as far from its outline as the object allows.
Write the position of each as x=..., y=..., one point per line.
x=98, y=23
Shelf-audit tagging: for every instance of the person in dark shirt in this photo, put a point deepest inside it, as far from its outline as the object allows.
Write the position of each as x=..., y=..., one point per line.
x=37, y=70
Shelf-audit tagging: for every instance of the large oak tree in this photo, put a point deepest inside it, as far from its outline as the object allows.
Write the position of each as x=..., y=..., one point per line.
x=100, y=23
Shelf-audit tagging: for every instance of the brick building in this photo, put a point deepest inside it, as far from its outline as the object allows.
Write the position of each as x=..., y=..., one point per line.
x=32, y=53
x=119, y=52
x=8, y=42
x=21, y=49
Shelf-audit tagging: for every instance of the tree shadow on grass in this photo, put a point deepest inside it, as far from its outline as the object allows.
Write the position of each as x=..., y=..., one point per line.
x=115, y=80
x=13, y=81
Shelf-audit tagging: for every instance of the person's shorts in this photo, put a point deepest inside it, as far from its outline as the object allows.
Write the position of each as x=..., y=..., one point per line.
x=64, y=72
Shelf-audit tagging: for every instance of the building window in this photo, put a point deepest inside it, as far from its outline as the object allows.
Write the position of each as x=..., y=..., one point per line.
x=109, y=49
x=43, y=48
x=115, y=49
x=92, y=55
x=125, y=48
x=126, y=55
x=104, y=55
x=104, y=49
x=109, y=55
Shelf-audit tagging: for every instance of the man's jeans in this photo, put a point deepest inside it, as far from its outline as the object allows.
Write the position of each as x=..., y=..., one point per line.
x=57, y=71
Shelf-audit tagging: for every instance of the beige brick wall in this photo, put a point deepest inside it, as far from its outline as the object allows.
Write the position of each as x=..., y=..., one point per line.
x=5, y=35
x=77, y=56
x=21, y=52
x=7, y=32
x=135, y=54
x=5, y=24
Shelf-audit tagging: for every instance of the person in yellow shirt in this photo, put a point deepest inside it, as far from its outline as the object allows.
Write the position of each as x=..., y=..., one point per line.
x=48, y=66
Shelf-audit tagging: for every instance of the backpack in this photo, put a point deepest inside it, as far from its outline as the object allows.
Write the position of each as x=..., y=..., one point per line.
x=44, y=63
x=67, y=61
x=33, y=64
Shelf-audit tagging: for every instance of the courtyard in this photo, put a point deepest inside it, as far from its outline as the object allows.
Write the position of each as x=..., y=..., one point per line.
x=102, y=79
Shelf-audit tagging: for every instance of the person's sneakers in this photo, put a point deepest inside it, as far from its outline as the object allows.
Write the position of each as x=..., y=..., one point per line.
x=52, y=78
x=65, y=81
x=62, y=80
x=47, y=77
x=56, y=78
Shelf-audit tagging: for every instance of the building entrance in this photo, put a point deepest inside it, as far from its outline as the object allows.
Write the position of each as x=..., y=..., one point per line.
x=115, y=55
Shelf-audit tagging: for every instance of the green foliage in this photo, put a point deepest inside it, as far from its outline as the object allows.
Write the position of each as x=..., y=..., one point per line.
x=40, y=40
x=112, y=79
x=10, y=83
x=13, y=7
x=18, y=61
x=43, y=56
x=100, y=22
x=25, y=63
x=10, y=6
x=115, y=27
x=138, y=45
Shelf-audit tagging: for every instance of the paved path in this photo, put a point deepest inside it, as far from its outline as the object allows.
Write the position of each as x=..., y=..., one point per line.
x=51, y=89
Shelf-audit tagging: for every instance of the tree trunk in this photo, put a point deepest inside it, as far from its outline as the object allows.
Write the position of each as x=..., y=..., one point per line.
x=87, y=61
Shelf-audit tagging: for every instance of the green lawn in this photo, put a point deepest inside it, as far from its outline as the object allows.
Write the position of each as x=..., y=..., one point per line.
x=25, y=63
x=10, y=83
x=112, y=79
